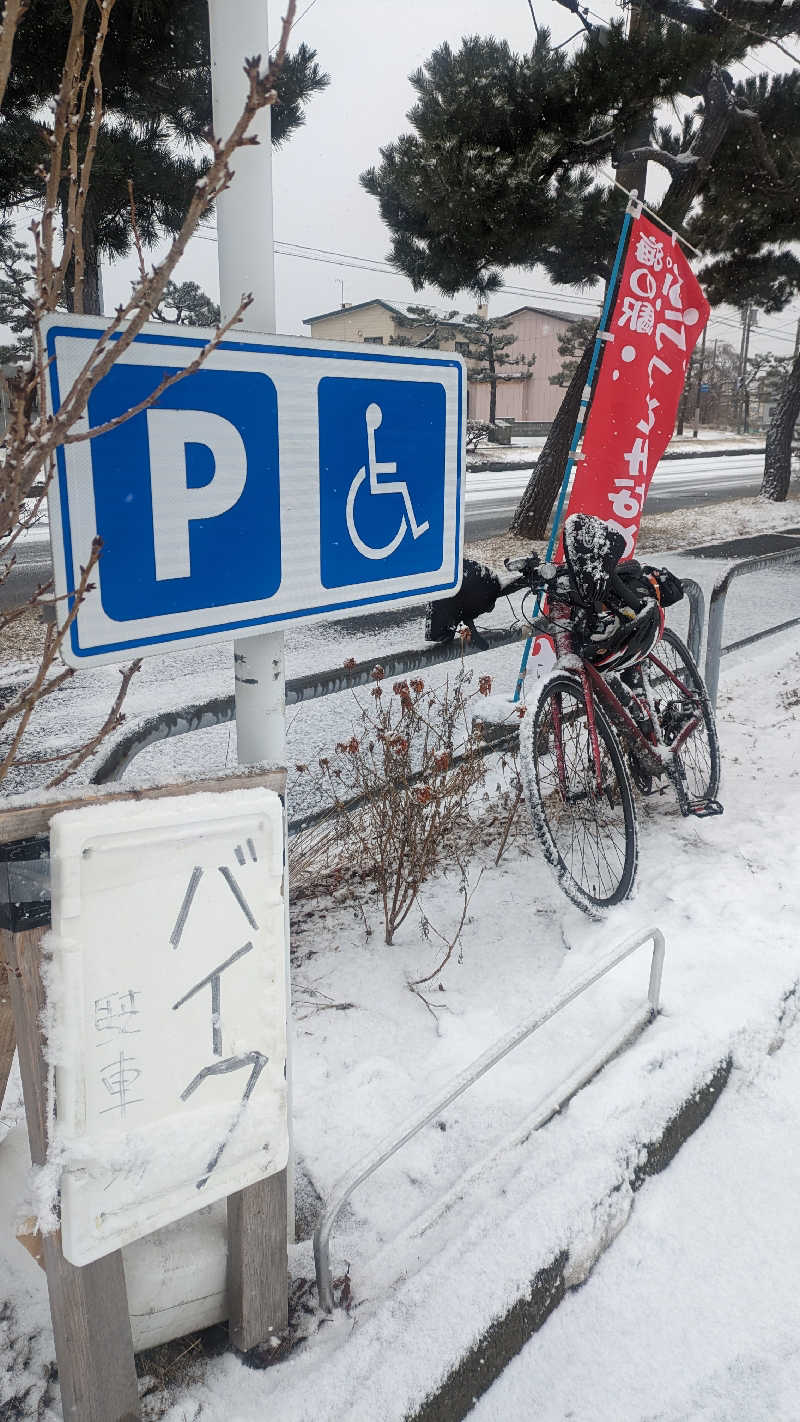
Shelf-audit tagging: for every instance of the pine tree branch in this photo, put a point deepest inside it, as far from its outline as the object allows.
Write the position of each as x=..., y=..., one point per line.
x=674, y=164
x=746, y=118
x=718, y=107
x=700, y=21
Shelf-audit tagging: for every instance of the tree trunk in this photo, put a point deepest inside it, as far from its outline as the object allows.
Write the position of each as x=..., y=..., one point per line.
x=92, y=285
x=90, y=300
x=778, y=458
x=492, y=385
x=533, y=510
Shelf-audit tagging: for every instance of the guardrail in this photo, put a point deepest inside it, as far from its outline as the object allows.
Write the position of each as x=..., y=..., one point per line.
x=716, y=614
x=550, y=1104
x=221, y=709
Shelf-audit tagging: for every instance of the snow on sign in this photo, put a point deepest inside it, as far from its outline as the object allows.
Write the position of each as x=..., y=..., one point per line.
x=284, y=480
x=167, y=1010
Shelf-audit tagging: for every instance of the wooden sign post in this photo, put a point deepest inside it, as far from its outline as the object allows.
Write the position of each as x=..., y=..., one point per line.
x=88, y=1302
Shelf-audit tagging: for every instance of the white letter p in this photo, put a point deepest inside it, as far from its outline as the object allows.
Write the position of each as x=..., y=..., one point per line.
x=175, y=505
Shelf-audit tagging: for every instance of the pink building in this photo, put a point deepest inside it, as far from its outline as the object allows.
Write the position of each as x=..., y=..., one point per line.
x=527, y=396
x=531, y=397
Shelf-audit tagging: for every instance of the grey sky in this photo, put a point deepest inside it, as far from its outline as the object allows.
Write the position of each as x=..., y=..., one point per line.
x=369, y=47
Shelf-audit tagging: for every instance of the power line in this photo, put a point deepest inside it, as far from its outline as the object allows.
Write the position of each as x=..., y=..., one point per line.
x=359, y=262
x=375, y=265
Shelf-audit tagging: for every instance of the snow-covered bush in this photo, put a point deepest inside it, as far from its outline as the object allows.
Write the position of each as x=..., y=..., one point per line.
x=476, y=431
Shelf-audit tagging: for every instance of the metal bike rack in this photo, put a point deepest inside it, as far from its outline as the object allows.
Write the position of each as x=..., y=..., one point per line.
x=221, y=709
x=553, y=1102
x=716, y=614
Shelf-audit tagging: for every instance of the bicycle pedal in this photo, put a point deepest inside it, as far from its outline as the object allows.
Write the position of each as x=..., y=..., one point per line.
x=703, y=809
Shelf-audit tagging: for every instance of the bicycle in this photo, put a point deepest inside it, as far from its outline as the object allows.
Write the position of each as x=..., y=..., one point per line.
x=593, y=730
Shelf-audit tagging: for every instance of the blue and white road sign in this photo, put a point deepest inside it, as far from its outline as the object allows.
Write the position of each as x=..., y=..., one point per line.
x=285, y=480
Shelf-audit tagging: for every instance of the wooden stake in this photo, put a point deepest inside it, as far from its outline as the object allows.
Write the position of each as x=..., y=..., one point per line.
x=8, y=1036
x=89, y=1306
x=258, y=1282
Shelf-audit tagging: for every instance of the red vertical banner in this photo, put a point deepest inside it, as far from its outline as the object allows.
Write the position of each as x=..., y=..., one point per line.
x=658, y=316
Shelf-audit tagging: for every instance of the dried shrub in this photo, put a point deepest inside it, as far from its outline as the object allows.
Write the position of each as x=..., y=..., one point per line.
x=402, y=785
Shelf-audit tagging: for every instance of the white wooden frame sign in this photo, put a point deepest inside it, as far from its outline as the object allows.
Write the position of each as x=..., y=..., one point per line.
x=167, y=985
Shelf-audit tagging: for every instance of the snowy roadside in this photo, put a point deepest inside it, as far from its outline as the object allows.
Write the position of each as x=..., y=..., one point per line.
x=679, y=528
x=433, y=1270
x=708, y=439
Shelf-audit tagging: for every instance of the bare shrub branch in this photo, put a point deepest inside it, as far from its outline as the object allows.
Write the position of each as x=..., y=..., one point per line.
x=34, y=433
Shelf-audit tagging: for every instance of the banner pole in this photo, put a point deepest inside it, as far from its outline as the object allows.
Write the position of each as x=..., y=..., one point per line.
x=632, y=210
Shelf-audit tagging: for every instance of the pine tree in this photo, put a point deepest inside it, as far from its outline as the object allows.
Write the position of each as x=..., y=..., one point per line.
x=571, y=344
x=483, y=340
x=750, y=212
x=186, y=304
x=16, y=295
x=501, y=168
x=488, y=355
x=157, y=112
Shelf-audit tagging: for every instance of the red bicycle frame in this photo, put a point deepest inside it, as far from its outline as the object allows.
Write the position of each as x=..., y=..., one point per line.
x=650, y=747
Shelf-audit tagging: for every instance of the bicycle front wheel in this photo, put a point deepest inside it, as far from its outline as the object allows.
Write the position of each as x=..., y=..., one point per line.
x=583, y=813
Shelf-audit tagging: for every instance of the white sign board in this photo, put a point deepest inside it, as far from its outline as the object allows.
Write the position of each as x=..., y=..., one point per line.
x=284, y=480
x=167, y=1002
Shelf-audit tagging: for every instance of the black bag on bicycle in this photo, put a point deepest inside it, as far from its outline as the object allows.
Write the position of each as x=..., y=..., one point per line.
x=619, y=618
x=479, y=591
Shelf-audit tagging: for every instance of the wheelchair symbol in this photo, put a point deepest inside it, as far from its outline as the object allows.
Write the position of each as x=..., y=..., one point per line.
x=374, y=417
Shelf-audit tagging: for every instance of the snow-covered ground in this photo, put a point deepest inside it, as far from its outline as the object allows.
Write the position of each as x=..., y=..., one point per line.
x=431, y=1264
x=694, y=1315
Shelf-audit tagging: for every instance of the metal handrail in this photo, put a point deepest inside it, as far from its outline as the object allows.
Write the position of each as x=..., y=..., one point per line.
x=716, y=613
x=221, y=709
x=388, y=1147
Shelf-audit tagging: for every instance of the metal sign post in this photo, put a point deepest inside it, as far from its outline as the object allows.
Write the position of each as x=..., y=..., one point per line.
x=245, y=253
x=246, y=264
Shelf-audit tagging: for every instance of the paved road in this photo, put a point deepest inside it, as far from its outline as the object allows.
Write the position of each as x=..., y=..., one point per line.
x=31, y=569
x=677, y=483
x=491, y=499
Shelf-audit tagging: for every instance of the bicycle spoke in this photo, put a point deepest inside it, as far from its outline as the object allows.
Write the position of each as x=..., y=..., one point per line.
x=677, y=701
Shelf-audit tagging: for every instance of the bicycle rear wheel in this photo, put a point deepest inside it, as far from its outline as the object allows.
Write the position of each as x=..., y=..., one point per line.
x=587, y=829
x=676, y=701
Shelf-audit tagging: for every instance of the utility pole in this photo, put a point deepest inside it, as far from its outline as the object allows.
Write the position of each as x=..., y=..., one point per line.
x=741, y=407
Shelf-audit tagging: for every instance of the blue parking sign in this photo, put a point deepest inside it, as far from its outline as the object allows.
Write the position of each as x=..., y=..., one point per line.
x=381, y=478
x=284, y=480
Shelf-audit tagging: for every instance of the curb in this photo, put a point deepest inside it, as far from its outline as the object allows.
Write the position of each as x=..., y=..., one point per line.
x=506, y=1336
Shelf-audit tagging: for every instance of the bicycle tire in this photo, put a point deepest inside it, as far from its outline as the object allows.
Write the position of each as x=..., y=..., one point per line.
x=591, y=846
x=699, y=756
